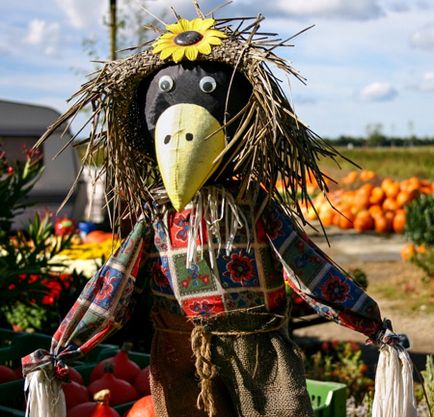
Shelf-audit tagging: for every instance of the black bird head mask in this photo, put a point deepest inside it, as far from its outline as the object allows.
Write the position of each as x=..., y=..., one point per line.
x=199, y=105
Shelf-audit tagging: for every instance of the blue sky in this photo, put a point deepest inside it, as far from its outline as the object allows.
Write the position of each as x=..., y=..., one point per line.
x=366, y=61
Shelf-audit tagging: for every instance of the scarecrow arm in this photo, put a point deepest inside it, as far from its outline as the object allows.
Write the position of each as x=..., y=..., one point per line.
x=318, y=281
x=102, y=307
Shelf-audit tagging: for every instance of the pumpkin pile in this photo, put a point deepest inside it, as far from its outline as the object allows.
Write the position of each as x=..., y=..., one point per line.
x=363, y=202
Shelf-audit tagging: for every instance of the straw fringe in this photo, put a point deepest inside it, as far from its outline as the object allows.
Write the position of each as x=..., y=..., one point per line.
x=270, y=142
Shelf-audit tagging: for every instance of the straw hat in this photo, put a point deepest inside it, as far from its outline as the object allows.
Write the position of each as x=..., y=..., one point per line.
x=270, y=143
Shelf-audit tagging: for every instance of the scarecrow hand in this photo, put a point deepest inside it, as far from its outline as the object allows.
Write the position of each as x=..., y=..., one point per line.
x=386, y=336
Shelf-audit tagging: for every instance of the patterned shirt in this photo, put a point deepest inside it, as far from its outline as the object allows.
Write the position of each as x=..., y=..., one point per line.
x=252, y=273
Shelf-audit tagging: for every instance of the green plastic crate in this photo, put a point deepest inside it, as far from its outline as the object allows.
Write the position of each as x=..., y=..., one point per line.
x=328, y=398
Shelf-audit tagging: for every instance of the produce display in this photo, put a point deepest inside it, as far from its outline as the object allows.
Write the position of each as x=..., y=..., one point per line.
x=363, y=201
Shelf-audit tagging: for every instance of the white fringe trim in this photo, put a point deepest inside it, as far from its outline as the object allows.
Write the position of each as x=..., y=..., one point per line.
x=45, y=397
x=214, y=206
x=394, y=392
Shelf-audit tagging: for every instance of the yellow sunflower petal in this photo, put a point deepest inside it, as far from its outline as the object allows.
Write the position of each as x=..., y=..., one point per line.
x=201, y=25
x=178, y=54
x=214, y=41
x=185, y=24
x=191, y=53
x=175, y=27
x=159, y=46
x=204, y=48
x=166, y=52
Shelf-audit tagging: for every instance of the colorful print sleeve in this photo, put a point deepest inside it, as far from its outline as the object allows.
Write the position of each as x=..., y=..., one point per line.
x=102, y=307
x=317, y=280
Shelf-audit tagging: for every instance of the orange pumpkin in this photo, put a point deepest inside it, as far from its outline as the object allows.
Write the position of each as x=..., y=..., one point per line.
x=399, y=222
x=381, y=224
x=361, y=199
x=404, y=197
x=326, y=216
x=421, y=248
x=375, y=210
x=350, y=177
x=142, y=408
x=408, y=251
x=389, y=216
x=366, y=175
x=345, y=220
x=389, y=204
x=363, y=221
x=392, y=189
x=377, y=195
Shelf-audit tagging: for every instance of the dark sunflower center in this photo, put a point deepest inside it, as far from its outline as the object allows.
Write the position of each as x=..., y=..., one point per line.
x=189, y=37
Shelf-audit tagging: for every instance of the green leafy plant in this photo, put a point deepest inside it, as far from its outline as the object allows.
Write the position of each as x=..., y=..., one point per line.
x=341, y=362
x=31, y=283
x=16, y=181
x=420, y=230
x=428, y=381
x=420, y=220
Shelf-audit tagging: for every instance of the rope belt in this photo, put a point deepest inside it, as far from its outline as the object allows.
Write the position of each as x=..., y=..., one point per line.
x=201, y=344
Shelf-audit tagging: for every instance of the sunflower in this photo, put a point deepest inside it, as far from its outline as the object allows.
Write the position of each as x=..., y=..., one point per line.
x=188, y=38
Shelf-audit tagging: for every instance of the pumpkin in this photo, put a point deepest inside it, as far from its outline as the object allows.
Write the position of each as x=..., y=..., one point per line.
x=367, y=175
x=399, y=221
x=375, y=210
x=100, y=408
x=363, y=221
x=124, y=368
x=377, y=195
x=6, y=374
x=121, y=391
x=405, y=197
x=350, y=177
x=75, y=376
x=142, y=382
x=75, y=394
x=408, y=251
x=392, y=189
x=326, y=216
x=381, y=224
x=345, y=219
x=390, y=204
x=142, y=408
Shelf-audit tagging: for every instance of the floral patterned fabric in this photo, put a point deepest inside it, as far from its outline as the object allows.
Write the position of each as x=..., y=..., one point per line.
x=251, y=274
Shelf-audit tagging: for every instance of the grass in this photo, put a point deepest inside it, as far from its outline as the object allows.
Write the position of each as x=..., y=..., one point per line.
x=398, y=163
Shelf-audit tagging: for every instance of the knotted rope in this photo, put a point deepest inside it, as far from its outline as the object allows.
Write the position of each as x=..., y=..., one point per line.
x=201, y=344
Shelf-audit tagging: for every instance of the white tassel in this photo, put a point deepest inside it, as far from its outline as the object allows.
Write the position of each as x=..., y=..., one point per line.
x=394, y=393
x=45, y=397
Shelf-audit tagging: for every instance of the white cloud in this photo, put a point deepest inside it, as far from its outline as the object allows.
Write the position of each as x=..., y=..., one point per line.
x=44, y=34
x=84, y=13
x=355, y=9
x=427, y=82
x=378, y=91
x=424, y=38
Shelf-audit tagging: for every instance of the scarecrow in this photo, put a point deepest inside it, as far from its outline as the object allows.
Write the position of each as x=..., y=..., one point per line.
x=196, y=132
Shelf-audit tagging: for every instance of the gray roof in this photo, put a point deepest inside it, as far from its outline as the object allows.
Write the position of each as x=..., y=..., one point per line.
x=20, y=119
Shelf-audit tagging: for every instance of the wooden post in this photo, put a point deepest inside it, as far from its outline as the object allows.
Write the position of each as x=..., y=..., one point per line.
x=113, y=29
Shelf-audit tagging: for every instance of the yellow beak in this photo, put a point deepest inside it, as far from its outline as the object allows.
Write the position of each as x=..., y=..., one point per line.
x=188, y=139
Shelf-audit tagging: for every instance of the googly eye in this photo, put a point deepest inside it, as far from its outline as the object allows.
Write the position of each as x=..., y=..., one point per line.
x=207, y=84
x=165, y=83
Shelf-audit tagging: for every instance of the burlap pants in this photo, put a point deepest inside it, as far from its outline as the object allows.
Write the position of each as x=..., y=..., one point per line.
x=258, y=369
